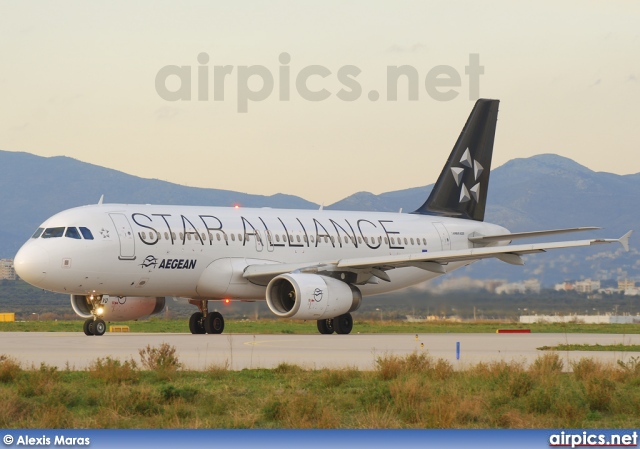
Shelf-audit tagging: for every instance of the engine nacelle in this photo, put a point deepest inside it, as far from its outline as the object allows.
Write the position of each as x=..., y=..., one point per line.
x=305, y=296
x=116, y=308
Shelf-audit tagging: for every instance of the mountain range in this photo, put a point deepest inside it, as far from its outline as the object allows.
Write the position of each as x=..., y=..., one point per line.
x=541, y=192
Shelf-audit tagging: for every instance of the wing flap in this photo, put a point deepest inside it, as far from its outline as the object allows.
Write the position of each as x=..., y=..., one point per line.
x=526, y=235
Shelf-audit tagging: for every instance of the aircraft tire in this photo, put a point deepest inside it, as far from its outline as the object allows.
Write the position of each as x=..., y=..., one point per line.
x=325, y=326
x=85, y=327
x=343, y=324
x=99, y=327
x=195, y=323
x=214, y=323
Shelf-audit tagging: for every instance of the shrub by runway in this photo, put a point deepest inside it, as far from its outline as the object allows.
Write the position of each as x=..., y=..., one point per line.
x=416, y=391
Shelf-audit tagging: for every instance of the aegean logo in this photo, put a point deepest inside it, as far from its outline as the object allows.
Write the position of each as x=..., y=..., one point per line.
x=169, y=264
x=149, y=261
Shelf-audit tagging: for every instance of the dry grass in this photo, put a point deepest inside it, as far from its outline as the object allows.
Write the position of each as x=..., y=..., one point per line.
x=415, y=391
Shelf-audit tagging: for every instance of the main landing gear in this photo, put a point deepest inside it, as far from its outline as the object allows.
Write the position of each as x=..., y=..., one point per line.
x=205, y=322
x=342, y=324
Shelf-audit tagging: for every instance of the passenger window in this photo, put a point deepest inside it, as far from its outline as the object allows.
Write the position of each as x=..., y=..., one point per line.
x=72, y=233
x=412, y=240
x=277, y=237
x=311, y=239
x=298, y=238
x=424, y=241
x=405, y=241
x=239, y=237
x=144, y=235
x=204, y=237
x=218, y=237
x=37, y=233
x=305, y=239
x=386, y=241
x=346, y=239
x=189, y=236
x=233, y=237
x=173, y=235
x=360, y=240
x=366, y=240
x=51, y=233
x=166, y=235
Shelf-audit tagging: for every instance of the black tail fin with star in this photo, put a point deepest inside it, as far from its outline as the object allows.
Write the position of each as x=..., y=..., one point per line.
x=461, y=189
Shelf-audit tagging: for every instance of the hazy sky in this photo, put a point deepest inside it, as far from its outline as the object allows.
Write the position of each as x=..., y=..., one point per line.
x=78, y=78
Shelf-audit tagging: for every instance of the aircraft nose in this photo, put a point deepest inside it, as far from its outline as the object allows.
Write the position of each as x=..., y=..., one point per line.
x=32, y=263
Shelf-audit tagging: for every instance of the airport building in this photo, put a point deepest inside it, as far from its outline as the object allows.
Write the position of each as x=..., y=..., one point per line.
x=586, y=319
x=6, y=269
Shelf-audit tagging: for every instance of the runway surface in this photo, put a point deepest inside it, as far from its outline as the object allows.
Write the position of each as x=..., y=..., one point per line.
x=360, y=351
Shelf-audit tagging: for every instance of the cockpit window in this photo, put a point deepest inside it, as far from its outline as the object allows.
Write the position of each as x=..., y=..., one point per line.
x=72, y=233
x=37, y=233
x=50, y=233
x=86, y=233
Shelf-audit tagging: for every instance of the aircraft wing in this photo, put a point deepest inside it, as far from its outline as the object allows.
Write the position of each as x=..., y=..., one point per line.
x=432, y=261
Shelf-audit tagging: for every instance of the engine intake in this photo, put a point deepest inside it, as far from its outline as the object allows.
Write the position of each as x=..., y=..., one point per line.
x=311, y=296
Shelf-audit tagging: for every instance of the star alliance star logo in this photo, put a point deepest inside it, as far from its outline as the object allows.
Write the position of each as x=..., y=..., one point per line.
x=105, y=233
x=458, y=174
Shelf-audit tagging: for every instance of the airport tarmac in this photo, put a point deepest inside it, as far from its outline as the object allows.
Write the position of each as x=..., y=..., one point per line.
x=241, y=351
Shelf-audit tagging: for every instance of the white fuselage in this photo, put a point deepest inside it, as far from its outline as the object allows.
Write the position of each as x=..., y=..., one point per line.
x=146, y=250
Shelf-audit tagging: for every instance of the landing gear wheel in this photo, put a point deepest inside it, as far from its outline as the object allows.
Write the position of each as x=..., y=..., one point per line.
x=196, y=325
x=214, y=323
x=98, y=327
x=85, y=327
x=343, y=324
x=325, y=326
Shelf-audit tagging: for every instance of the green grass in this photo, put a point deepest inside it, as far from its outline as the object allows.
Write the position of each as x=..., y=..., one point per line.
x=416, y=391
x=585, y=347
x=268, y=326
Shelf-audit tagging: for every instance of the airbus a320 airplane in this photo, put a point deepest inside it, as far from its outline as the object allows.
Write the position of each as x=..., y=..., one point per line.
x=119, y=262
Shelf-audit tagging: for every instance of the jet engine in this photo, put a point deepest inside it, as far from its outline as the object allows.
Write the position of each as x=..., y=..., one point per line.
x=306, y=296
x=117, y=308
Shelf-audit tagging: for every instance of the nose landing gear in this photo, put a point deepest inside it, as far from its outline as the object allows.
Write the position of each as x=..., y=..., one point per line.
x=94, y=326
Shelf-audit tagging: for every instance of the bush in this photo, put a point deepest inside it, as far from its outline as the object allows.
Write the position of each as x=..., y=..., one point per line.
x=112, y=371
x=391, y=366
x=9, y=369
x=160, y=359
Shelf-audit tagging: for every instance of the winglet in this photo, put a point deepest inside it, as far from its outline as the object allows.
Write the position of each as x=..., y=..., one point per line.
x=101, y=198
x=624, y=240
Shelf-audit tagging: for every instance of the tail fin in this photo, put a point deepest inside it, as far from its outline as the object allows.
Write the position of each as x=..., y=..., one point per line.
x=461, y=189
